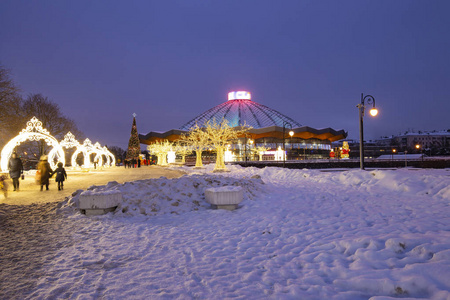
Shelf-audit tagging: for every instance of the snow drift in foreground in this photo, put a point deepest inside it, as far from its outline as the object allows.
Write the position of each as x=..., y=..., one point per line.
x=161, y=196
x=298, y=234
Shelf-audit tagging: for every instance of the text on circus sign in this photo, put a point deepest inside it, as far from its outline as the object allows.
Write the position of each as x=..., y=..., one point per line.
x=239, y=95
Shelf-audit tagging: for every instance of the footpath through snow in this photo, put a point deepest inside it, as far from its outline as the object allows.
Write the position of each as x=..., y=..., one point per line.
x=298, y=234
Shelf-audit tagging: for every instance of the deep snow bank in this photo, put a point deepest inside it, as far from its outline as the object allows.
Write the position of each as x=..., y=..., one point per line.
x=153, y=197
x=305, y=234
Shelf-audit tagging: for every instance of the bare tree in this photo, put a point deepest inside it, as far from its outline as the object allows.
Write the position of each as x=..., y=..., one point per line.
x=117, y=152
x=48, y=112
x=10, y=104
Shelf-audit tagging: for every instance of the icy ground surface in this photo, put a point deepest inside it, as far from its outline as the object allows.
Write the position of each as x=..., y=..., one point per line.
x=298, y=234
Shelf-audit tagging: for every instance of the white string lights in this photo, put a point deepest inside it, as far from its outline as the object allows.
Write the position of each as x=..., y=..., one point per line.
x=35, y=132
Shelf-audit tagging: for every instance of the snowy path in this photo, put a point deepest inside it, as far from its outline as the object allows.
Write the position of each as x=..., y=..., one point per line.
x=30, y=237
x=29, y=191
x=302, y=235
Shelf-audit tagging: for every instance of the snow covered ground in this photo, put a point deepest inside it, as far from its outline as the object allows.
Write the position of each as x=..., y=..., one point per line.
x=298, y=234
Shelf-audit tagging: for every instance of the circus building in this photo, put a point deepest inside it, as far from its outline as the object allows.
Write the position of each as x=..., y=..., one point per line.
x=270, y=129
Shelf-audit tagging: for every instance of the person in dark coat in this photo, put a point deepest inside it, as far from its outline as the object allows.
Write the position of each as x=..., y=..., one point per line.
x=61, y=175
x=46, y=172
x=15, y=168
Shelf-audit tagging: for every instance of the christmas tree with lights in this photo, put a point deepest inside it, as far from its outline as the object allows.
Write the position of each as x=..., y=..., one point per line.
x=134, y=147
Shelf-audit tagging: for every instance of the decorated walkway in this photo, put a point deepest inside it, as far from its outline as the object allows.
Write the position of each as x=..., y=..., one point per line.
x=30, y=192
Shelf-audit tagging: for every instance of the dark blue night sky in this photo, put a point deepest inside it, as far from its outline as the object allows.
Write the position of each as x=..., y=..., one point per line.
x=168, y=61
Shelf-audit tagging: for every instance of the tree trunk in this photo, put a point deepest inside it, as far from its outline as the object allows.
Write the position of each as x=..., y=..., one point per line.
x=164, y=159
x=220, y=160
x=198, y=161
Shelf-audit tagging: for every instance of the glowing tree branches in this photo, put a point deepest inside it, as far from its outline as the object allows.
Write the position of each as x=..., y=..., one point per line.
x=219, y=136
x=260, y=151
x=160, y=149
x=196, y=140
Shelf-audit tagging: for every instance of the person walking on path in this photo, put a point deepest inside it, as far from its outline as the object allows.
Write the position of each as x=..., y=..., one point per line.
x=45, y=170
x=61, y=175
x=15, y=168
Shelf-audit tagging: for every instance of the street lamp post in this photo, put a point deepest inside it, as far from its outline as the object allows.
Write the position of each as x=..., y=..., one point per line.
x=291, y=133
x=373, y=112
x=421, y=151
x=406, y=162
x=284, y=146
x=245, y=151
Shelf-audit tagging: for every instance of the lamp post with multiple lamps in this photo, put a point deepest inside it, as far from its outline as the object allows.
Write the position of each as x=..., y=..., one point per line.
x=284, y=145
x=373, y=112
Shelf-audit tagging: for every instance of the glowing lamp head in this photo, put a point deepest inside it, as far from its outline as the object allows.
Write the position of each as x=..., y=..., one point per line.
x=373, y=112
x=291, y=133
x=417, y=146
x=394, y=150
x=239, y=95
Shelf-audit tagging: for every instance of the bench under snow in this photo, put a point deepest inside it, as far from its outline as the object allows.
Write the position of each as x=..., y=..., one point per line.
x=225, y=197
x=99, y=203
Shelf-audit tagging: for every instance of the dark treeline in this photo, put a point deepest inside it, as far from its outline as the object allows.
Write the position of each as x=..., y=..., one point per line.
x=16, y=111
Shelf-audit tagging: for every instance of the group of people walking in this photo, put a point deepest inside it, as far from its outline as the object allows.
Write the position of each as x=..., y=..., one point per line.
x=46, y=172
x=132, y=163
x=43, y=174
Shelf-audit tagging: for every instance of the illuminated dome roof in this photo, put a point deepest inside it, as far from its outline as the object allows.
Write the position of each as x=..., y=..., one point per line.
x=240, y=110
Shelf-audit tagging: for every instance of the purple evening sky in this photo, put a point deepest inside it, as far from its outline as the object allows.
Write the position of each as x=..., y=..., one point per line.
x=169, y=61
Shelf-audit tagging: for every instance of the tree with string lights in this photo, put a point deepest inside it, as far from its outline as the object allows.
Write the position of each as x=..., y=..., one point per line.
x=219, y=136
x=134, y=146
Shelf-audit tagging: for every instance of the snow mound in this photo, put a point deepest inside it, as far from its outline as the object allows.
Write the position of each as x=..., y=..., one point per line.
x=162, y=196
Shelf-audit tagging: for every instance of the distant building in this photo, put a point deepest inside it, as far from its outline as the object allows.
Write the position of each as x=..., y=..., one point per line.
x=268, y=127
x=430, y=143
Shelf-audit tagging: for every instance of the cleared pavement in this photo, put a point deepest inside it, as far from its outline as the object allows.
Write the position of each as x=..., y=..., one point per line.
x=30, y=192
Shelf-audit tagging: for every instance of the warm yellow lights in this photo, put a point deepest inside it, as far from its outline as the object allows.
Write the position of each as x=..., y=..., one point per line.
x=35, y=132
x=373, y=112
x=291, y=133
x=417, y=146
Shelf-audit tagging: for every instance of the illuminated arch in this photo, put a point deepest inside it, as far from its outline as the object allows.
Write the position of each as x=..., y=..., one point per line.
x=70, y=142
x=86, y=148
x=33, y=132
x=97, y=150
x=99, y=158
x=111, y=159
x=86, y=162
